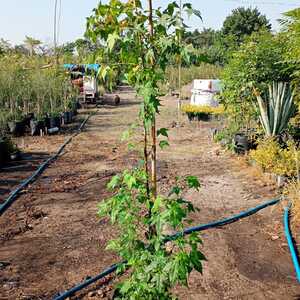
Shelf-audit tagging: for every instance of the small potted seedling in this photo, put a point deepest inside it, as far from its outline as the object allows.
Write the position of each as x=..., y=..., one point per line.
x=37, y=125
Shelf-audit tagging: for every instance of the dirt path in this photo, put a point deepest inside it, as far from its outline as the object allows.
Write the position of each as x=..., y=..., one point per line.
x=52, y=238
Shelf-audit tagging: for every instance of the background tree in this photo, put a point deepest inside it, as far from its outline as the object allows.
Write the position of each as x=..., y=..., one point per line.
x=68, y=48
x=84, y=47
x=201, y=39
x=291, y=34
x=31, y=44
x=243, y=22
x=5, y=46
x=21, y=49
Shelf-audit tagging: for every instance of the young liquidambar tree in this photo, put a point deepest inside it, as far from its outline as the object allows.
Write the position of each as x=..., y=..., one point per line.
x=143, y=41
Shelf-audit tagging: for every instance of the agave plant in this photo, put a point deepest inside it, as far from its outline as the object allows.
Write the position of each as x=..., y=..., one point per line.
x=276, y=108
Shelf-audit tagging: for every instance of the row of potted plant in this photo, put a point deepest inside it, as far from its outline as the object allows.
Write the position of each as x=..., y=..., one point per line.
x=35, y=124
x=32, y=96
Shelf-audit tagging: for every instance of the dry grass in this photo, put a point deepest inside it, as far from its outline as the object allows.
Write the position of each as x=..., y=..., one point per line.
x=204, y=71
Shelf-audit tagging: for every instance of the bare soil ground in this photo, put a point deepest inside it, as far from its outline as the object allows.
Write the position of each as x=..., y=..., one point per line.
x=51, y=238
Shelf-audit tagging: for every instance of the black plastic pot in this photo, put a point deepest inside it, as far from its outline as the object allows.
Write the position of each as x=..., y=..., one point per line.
x=17, y=128
x=67, y=117
x=55, y=122
x=36, y=126
x=203, y=117
x=28, y=118
x=190, y=116
x=47, y=122
x=241, y=143
x=4, y=152
x=15, y=156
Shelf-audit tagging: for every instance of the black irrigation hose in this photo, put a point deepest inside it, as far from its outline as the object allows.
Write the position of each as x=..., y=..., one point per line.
x=222, y=222
x=14, y=194
x=88, y=282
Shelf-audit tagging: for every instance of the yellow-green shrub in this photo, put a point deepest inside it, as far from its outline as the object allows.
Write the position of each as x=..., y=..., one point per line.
x=274, y=159
x=195, y=109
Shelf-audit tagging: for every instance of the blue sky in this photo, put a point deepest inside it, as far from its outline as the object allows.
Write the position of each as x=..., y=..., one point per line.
x=35, y=17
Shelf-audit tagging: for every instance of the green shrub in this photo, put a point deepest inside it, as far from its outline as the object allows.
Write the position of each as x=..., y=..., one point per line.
x=258, y=62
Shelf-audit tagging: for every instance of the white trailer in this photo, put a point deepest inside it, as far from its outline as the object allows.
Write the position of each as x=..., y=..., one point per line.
x=204, y=92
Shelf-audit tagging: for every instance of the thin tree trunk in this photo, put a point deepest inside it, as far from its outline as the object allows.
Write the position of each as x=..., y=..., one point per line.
x=179, y=67
x=153, y=159
x=145, y=133
x=146, y=160
x=55, y=33
x=153, y=126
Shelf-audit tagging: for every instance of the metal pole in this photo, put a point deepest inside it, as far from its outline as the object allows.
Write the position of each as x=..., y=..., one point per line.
x=179, y=66
x=55, y=31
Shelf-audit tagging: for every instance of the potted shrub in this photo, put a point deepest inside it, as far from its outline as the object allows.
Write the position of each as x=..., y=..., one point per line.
x=37, y=125
x=7, y=150
x=55, y=120
x=190, y=116
x=241, y=143
x=16, y=124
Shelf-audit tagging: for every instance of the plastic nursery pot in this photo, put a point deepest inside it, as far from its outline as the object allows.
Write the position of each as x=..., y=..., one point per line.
x=16, y=128
x=36, y=126
x=15, y=156
x=241, y=143
x=76, y=106
x=67, y=117
x=55, y=122
x=203, y=117
x=190, y=116
x=4, y=151
x=28, y=118
x=47, y=122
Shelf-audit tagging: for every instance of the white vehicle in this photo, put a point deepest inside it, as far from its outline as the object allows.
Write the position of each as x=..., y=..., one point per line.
x=90, y=89
x=204, y=92
x=84, y=76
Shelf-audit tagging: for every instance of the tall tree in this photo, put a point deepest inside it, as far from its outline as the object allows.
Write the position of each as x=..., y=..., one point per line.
x=243, y=22
x=31, y=44
x=201, y=39
x=21, y=49
x=143, y=40
x=5, y=46
x=84, y=47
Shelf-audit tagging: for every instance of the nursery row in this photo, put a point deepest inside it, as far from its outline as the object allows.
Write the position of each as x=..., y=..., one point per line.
x=260, y=94
x=33, y=96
